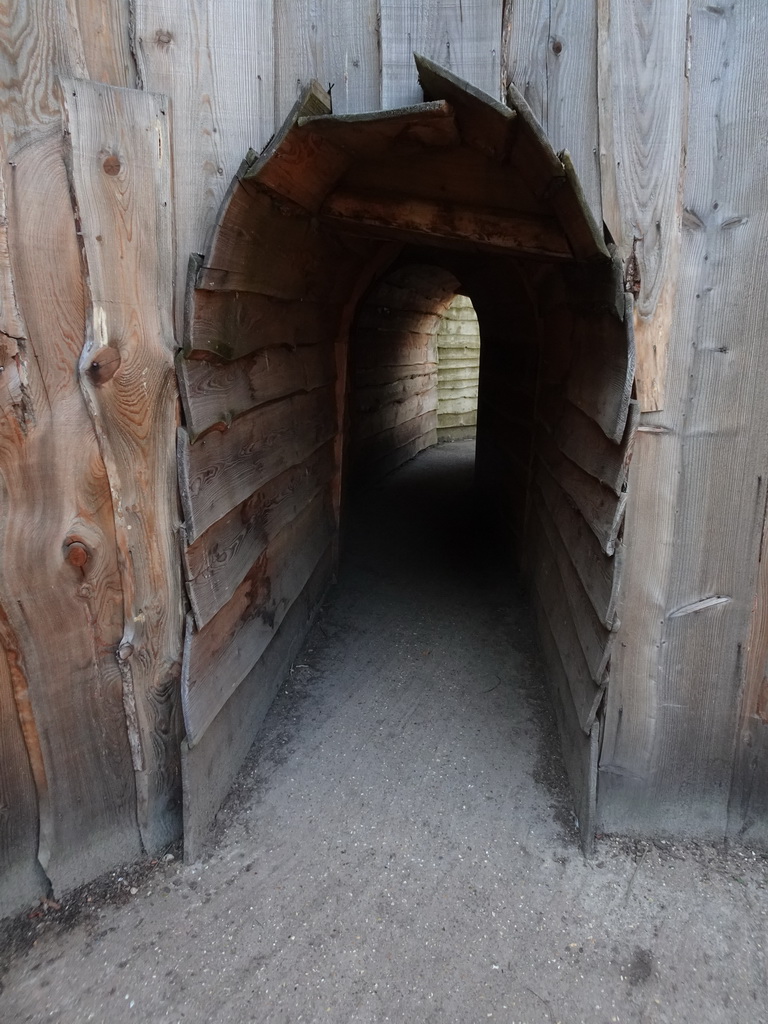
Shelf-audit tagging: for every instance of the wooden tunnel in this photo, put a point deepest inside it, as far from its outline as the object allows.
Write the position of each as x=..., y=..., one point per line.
x=347, y=237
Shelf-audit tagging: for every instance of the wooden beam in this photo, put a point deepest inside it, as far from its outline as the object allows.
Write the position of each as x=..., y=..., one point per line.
x=423, y=221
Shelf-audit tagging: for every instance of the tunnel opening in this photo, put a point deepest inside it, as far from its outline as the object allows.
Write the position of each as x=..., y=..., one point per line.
x=335, y=256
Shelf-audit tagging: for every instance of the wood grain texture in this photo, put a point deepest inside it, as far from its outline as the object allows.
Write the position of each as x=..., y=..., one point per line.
x=674, y=726
x=334, y=41
x=218, y=561
x=404, y=128
x=231, y=326
x=219, y=656
x=435, y=223
x=580, y=751
x=584, y=443
x=602, y=509
x=603, y=369
x=23, y=879
x=209, y=767
x=551, y=57
x=599, y=573
x=214, y=394
x=62, y=613
x=184, y=51
x=224, y=468
x=120, y=175
x=643, y=111
x=105, y=29
x=462, y=37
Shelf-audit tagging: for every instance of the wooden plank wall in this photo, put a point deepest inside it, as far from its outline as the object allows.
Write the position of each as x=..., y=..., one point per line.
x=689, y=706
x=458, y=371
x=393, y=356
x=61, y=595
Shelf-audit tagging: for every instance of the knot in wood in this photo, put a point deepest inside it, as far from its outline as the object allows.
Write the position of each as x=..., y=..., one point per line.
x=76, y=553
x=163, y=38
x=104, y=365
x=111, y=165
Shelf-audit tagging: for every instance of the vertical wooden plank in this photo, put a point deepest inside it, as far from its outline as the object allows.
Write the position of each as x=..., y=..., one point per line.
x=23, y=878
x=550, y=55
x=215, y=63
x=119, y=166
x=698, y=481
x=59, y=590
x=643, y=101
x=333, y=41
x=106, y=29
x=464, y=37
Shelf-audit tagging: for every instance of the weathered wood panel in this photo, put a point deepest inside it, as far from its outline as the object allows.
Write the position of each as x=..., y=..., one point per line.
x=423, y=222
x=23, y=878
x=585, y=444
x=601, y=508
x=217, y=68
x=580, y=751
x=214, y=394
x=56, y=505
x=549, y=52
x=121, y=184
x=209, y=767
x=643, y=111
x=218, y=561
x=463, y=37
x=218, y=657
x=603, y=369
x=693, y=532
x=231, y=326
x=599, y=573
x=550, y=597
x=224, y=468
x=335, y=42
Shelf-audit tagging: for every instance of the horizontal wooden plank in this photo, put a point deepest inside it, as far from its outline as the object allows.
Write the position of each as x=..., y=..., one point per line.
x=389, y=416
x=225, y=467
x=595, y=638
x=208, y=768
x=218, y=657
x=217, y=393
x=396, y=457
x=580, y=750
x=464, y=176
x=366, y=399
x=600, y=574
x=218, y=561
x=380, y=316
x=391, y=349
x=579, y=437
x=446, y=420
x=602, y=510
x=603, y=369
x=384, y=373
x=231, y=325
x=424, y=221
x=368, y=136
x=384, y=443
x=303, y=262
x=585, y=693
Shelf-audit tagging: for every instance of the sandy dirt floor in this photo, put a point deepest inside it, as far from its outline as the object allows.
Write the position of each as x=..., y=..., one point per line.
x=399, y=845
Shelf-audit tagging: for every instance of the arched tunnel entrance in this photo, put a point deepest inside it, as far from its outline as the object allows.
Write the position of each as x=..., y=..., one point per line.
x=340, y=219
